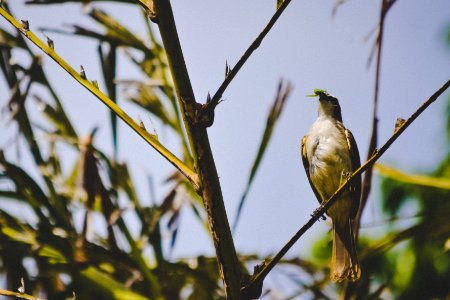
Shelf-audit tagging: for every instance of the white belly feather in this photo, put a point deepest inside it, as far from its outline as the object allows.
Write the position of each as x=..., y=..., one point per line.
x=328, y=156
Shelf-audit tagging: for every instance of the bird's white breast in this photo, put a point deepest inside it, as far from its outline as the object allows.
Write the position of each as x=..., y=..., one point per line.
x=328, y=155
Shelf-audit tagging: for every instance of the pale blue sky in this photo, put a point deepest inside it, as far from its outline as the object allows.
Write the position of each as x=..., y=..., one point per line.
x=307, y=47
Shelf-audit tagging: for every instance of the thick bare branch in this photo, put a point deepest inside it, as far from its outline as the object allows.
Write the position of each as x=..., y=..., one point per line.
x=210, y=189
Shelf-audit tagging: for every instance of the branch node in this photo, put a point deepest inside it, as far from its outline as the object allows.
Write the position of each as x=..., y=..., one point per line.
x=251, y=287
x=201, y=115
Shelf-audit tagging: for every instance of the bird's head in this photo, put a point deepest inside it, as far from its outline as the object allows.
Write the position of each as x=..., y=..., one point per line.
x=328, y=104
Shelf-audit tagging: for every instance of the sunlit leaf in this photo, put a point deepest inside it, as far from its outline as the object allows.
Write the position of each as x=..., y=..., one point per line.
x=106, y=286
x=415, y=179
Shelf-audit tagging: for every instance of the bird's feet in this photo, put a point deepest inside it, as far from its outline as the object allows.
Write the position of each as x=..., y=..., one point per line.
x=315, y=213
x=345, y=176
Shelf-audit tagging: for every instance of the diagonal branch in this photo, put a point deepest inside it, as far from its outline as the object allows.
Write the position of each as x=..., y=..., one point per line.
x=92, y=87
x=254, y=285
x=232, y=73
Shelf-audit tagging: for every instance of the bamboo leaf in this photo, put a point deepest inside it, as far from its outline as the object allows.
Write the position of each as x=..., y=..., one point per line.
x=8, y=40
x=107, y=286
x=108, y=63
x=27, y=186
x=57, y=118
x=414, y=179
x=149, y=100
x=284, y=89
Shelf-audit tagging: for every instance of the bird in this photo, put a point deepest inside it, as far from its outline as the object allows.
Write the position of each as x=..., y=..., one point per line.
x=330, y=155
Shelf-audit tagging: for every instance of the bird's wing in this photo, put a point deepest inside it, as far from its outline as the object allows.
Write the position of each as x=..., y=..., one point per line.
x=355, y=187
x=306, y=165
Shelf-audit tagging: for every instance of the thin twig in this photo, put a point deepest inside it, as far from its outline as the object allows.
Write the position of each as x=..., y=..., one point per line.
x=367, y=181
x=149, y=138
x=257, y=279
x=232, y=73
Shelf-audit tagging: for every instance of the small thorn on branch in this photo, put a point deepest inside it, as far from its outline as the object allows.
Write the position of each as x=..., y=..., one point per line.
x=50, y=43
x=255, y=290
x=95, y=83
x=25, y=25
x=227, y=69
x=82, y=72
x=141, y=124
x=399, y=123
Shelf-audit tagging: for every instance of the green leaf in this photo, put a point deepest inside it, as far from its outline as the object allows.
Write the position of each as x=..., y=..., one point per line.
x=8, y=40
x=147, y=98
x=108, y=63
x=57, y=118
x=107, y=287
x=24, y=237
x=117, y=31
x=414, y=179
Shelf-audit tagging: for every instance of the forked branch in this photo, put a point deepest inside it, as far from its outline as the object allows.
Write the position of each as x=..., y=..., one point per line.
x=253, y=46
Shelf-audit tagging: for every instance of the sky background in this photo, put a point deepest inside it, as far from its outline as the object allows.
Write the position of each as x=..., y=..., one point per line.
x=307, y=47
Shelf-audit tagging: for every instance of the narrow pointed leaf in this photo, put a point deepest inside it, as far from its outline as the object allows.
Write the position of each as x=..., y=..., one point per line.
x=108, y=63
x=415, y=179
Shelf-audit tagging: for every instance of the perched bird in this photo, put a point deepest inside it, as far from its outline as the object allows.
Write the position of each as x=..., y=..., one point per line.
x=330, y=155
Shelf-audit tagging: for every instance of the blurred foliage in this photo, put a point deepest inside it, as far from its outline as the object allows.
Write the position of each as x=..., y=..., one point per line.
x=43, y=240
x=68, y=256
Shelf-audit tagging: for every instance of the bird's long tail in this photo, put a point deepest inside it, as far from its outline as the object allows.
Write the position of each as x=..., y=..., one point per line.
x=344, y=260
